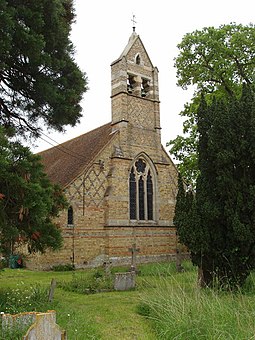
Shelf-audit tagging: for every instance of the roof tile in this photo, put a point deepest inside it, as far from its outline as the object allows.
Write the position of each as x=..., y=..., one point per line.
x=66, y=161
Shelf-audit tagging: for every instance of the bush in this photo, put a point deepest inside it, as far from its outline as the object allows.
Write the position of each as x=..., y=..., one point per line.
x=3, y=263
x=89, y=282
x=63, y=267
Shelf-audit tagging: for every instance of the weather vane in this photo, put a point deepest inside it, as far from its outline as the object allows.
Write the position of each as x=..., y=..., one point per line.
x=134, y=22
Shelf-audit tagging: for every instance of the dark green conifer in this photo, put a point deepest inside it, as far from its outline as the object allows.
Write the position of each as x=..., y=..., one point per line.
x=225, y=195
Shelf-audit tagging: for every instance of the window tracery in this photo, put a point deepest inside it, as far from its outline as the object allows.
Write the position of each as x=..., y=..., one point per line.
x=141, y=191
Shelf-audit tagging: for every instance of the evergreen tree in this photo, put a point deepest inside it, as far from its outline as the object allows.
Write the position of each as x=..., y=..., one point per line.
x=28, y=202
x=225, y=195
x=39, y=80
x=39, y=83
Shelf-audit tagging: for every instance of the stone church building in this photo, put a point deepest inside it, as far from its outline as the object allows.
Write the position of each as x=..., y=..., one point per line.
x=120, y=183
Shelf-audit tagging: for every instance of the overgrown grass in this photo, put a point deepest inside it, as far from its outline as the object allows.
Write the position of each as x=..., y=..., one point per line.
x=23, y=298
x=89, y=282
x=179, y=310
x=19, y=299
x=165, y=305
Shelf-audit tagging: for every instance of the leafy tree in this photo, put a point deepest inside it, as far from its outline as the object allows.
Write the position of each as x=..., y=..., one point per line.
x=216, y=61
x=225, y=196
x=28, y=201
x=39, y=80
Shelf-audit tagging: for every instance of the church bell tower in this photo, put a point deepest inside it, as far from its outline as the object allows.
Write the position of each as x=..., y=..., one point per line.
x=135, y=97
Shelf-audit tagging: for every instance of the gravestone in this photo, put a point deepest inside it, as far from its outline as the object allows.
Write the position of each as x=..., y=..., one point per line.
x=133, y=251
x=52, y=289
x=39, y=326
x=45, y=328
x=124, y=281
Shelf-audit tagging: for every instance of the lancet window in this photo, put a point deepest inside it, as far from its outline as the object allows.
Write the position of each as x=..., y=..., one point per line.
x=141, y=191
x=70, y=216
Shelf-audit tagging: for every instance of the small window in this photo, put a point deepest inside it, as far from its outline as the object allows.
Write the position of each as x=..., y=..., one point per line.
x=70, y=216
x=138, y=60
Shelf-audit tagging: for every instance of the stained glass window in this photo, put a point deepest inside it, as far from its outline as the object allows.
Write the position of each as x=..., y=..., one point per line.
x=141, y=199
x=132, y=195
x=141, y=191
x=149, y=196
x=140, y=165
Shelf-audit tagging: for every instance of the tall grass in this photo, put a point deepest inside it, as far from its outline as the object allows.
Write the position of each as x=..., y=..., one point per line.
x=178, y=309
x=21, y=299
x=24, y=298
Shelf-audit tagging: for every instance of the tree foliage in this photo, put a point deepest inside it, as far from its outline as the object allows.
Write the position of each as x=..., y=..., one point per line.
x=39, y=80
x=216, y=61
x=222, y=239
x=28, y=202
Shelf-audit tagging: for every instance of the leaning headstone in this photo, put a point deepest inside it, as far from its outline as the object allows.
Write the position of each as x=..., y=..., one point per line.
x=124, y=281
x=52, y=289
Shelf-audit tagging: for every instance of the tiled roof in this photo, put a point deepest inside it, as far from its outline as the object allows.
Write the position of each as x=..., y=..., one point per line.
x=66, y=161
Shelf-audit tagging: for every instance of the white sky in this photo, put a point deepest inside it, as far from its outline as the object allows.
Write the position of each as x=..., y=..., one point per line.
x=101, y=32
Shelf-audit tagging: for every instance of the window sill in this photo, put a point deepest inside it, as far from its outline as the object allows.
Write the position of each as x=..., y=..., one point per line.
x=143, y=222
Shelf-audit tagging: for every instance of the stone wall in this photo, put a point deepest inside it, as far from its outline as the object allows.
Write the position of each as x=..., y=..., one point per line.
x=100, y=195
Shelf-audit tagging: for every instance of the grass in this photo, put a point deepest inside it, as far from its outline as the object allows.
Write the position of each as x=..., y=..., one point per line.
x=94, y=316
x=179, y=310
x=165, y=305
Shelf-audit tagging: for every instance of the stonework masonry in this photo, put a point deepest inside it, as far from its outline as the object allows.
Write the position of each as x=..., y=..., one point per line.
x=100, y=192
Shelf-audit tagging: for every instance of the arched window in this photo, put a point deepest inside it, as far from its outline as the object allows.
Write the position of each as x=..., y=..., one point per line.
x=70, y=216
x=140, y=191
x=145, y=87
x=130, y=83
x=137, y=60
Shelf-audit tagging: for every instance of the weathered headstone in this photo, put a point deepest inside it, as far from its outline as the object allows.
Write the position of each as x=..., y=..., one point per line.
x=133, y=251
x=124, y=281
x=52, y=289
x=38, y=326
x=45, y=328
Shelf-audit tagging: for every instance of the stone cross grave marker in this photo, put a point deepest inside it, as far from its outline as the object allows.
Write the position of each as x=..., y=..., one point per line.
x=107, y=265
x=133, y=251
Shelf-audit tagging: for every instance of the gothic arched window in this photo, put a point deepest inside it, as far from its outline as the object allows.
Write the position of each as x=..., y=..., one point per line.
x=70, y=216
x=140, y=191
